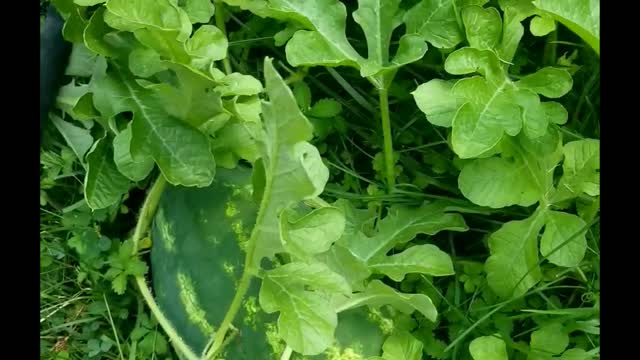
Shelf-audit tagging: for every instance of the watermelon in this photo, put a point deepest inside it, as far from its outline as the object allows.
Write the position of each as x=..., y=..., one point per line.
x=197, y=260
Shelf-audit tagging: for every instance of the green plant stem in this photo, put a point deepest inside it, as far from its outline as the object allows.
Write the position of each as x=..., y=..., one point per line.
x=295, y=77
x=493, y=311
x=388, y=142
x=228, y=339
x=176, y=340
x=350, y=90
x=219, y=16
x=148, y=210
x=286, y=354
x=113, y=327
x=219, y=336
x=146, y=214
x=243, y=285
x=549, y=56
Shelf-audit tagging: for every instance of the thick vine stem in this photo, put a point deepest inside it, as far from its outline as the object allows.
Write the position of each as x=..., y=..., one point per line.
x=219, y=16
x=286, y=354
x=218, y=342
x=146, y=214
x=219, y=337
x=243, y=285
x=388, y=142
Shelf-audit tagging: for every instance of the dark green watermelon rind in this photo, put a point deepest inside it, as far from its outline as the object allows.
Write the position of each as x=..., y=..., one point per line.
x=197, y=261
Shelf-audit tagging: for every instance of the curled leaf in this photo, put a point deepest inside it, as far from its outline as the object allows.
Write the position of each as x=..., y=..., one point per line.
x=312, y=234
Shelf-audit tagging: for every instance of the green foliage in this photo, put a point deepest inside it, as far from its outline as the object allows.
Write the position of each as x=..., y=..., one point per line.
x=123, y=264
x=323, y=40
x=488, y=347
x=134, y=48
x=582, y=17
x=302, y=207
x=88, y=307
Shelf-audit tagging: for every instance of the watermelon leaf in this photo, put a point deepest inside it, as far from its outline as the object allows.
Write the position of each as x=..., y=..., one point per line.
x=307, y=320
x=378, y=294
x=402, y=225
x=293, y=170
x=401, y=346
x=323, y=39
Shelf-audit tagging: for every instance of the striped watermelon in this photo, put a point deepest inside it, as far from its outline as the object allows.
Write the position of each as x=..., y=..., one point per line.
x=197, y=260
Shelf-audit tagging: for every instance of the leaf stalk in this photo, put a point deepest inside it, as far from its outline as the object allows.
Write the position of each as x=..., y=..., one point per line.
x=146, y=215
x=219, y=17
x=388, y=142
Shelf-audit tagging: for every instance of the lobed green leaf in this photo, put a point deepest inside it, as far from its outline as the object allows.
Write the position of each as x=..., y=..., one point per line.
x=378, y=294
x=402, y=225
x=290, y=166
x=435, y=21
x=181, y=151
x=307, y=319
x=103, y=184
